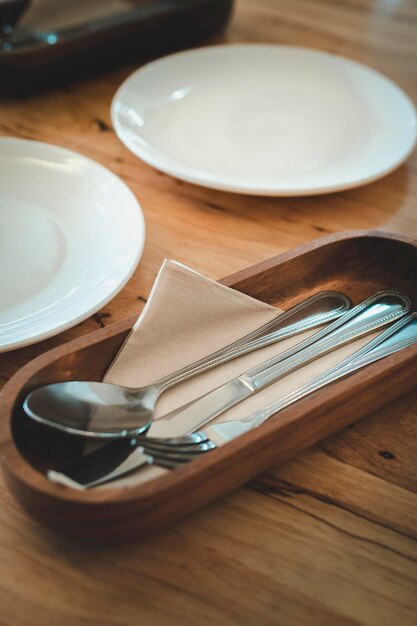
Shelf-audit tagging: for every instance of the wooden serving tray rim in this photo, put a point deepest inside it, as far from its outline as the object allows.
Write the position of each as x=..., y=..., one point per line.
x=187, y=477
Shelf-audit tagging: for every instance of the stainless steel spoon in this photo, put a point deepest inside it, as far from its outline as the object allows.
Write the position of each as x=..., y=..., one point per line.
x=76, y=406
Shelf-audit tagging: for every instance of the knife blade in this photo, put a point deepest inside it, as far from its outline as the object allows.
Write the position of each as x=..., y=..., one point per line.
x=110, y=461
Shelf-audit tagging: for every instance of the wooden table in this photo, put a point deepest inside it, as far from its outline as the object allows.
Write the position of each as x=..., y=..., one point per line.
x=328, y=539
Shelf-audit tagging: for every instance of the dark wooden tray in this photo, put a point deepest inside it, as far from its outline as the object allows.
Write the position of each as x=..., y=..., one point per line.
x=143, y=30
x=357, y=263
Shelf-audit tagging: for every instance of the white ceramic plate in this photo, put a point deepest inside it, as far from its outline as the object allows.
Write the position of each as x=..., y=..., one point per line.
x=265, y=119
x=71, y=235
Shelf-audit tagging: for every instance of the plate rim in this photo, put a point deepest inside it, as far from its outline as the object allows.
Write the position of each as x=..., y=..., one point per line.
x=62, y=327
x=161, y=161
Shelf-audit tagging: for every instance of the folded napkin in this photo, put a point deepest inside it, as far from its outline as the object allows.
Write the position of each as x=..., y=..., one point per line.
x=187, y=317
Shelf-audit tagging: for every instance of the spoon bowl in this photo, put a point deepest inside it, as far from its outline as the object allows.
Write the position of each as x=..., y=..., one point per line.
x=81, y=404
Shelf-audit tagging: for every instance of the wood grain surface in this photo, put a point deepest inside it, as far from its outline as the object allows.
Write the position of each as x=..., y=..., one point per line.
x=331, y=537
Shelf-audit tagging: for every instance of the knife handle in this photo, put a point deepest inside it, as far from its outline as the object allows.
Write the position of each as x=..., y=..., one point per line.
x=377, y=311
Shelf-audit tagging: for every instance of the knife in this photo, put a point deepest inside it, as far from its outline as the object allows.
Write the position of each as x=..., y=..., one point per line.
x=397, y=337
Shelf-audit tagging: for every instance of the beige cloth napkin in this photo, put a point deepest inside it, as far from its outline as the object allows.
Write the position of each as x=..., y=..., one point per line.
x=187, y=317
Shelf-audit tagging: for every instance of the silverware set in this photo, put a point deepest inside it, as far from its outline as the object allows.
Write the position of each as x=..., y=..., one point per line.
x=125, y=416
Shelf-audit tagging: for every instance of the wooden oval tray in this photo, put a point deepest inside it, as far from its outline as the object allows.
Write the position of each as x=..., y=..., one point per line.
x=356, y=263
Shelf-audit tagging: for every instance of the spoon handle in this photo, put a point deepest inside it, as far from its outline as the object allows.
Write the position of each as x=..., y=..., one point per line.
x=310, y=313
